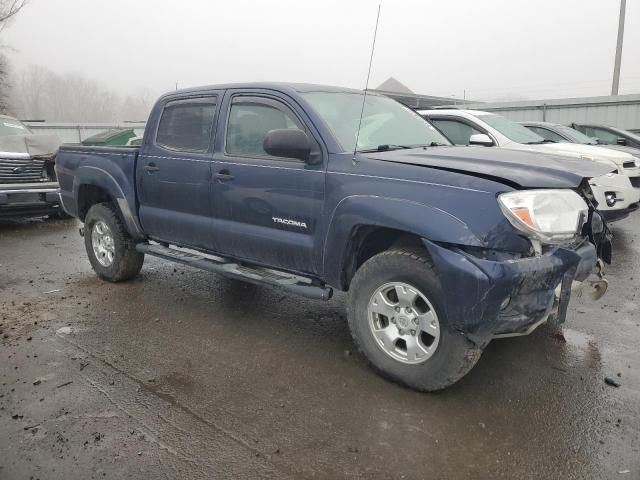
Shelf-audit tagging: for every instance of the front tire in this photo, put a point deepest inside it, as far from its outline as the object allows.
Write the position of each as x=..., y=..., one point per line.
x=398, y=322
x=110, y=249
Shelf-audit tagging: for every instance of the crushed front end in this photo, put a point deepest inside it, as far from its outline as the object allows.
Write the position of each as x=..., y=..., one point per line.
x=493, y=293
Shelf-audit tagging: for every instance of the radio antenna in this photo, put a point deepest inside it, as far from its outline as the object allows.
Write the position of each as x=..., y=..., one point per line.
x=366, y=86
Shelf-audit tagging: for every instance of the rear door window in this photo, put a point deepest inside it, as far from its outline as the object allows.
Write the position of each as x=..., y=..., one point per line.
x=186, y=125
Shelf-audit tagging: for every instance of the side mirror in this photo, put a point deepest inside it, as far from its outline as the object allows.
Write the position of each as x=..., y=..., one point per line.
x=288, y=143
x=481, y=139
x=621, y=141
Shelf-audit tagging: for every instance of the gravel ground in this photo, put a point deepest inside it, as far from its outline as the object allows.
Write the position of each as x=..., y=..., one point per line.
x=182, y=374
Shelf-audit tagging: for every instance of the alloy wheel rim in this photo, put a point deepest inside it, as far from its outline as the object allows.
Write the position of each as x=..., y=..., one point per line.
x=102, y=243
x=403, y=323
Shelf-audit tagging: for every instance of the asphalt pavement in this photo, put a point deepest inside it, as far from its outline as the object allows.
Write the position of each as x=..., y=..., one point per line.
x=182, y=374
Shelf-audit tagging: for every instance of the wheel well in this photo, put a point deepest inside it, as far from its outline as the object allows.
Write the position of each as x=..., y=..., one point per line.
x=368, y=241
x=89, y=195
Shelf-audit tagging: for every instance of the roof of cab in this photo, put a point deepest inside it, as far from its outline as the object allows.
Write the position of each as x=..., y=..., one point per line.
x=280, y=86
x=453, y=111
x=542, y=124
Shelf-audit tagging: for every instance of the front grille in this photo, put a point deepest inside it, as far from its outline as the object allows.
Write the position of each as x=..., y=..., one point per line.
x=635, y=181
x=21, y=170
x=629, y=165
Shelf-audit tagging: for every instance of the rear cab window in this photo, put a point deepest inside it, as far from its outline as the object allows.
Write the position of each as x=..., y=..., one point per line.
x=186, y=125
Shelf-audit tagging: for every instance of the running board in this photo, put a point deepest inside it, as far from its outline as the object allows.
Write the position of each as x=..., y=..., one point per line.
x=293, y=283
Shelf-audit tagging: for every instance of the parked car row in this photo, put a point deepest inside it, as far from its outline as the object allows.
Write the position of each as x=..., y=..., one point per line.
x=617, y=193
x=441, y=248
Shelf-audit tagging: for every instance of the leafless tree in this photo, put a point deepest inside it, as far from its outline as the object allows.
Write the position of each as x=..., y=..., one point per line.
x=5, y=85
x=8, y=10
x=40, y=93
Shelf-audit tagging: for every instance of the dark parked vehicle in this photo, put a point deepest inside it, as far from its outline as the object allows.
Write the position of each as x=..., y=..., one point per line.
x=28, y=184
x=555, y=132
x=609, y=135
x=441, y=248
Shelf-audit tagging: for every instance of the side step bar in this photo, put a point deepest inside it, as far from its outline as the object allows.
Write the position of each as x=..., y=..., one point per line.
x=293, y=283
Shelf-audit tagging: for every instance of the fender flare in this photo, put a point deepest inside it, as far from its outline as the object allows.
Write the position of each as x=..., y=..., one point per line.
x=408, y=216
x=101, y=178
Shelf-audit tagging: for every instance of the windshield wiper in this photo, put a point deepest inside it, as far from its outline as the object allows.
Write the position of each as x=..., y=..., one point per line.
x=540, y=142
x=391, y=146
x=386, y=147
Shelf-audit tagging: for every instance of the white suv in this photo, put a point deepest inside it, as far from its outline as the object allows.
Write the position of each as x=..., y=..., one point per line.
x=614, y=192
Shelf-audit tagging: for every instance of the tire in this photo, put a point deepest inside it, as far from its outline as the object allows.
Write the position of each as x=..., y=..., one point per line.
x=408, y=271
x=115, y=260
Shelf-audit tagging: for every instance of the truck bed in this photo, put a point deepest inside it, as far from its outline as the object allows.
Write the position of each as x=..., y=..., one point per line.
x=111, y=169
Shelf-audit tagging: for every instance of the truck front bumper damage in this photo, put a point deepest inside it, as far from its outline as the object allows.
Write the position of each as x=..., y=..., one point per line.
x=488, y=299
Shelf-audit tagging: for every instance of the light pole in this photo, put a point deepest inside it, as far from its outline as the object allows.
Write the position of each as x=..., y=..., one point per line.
x=616, y=67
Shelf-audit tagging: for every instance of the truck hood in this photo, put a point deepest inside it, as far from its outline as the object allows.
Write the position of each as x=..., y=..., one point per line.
x=588, y=152
x=35, y=145
x=522, y=168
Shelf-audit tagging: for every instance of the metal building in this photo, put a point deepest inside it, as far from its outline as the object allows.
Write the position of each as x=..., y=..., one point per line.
x=400, y=92
x=622, y=111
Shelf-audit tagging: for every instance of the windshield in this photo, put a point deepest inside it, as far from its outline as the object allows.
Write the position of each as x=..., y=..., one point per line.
x=8, y=126
x=575, y=136
x=385, y=122
x=510, y=129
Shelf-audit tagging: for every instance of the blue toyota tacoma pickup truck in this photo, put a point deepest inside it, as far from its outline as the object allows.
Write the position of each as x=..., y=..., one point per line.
x=315, y=188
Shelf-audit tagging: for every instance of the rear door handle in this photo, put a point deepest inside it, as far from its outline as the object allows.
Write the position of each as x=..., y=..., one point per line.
x=223, y=176
x=151, y=168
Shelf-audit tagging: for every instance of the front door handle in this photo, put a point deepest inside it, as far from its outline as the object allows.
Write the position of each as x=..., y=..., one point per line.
x=223, y=176
x=151, y=168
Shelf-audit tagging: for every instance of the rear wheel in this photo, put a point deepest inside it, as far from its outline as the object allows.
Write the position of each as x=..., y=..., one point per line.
x=397, y=321
x=110, y=249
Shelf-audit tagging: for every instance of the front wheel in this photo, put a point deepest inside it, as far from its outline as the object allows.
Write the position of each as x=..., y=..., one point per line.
x=398, y=322
x=110, y=249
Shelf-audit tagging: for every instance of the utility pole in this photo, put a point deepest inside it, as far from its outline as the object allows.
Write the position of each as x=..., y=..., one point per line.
x=616, y=67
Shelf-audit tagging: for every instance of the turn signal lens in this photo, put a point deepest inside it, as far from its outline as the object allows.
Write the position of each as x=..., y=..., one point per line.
x=524, y=215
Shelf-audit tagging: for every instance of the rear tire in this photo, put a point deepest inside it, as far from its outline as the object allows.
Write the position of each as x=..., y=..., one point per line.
x=419, y=349
x=110, y=249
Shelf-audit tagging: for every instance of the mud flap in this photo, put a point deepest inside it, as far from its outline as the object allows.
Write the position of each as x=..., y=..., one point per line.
x=565, y=295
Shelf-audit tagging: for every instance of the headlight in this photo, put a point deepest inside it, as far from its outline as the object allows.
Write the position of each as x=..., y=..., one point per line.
x=637, y=160
x=550, y=216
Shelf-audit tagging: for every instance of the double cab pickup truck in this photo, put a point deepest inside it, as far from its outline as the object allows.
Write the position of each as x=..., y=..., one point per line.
x=311, y=188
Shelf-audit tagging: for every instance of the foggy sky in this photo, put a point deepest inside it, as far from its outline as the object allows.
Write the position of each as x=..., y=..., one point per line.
x=495, y=49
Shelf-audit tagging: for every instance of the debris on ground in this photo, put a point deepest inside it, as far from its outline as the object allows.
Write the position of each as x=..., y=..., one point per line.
x=611, y=381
